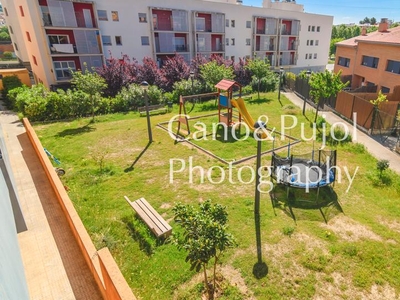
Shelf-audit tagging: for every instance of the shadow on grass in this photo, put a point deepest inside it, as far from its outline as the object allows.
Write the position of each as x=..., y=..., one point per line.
x=259, y=101
x=132, y=166
x=140, y=234
x=226, y=136
x=207, y=106
x=76, y=131
x=306, y=204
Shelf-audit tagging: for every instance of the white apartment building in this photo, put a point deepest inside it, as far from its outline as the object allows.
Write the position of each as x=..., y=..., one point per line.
x=56, y=35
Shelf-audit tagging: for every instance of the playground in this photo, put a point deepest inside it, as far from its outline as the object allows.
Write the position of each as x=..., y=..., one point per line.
x=351, y=255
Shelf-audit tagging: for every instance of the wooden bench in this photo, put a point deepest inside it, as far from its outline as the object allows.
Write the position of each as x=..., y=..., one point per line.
x=153, y=109
x=152, y=218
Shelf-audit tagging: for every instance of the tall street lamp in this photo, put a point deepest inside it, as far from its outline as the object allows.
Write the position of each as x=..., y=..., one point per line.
x=145, y=85
x=280, y=84
x=191, y=78
x=308, y=73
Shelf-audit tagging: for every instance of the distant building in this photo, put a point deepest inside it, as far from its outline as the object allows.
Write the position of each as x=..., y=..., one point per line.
x=371, y=59
x=56, y=36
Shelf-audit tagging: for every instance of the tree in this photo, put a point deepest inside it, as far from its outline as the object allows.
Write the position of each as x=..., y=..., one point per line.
x=259, y=69
x=373, y=21
x=382, y=165
x=325, y=85
x=90, y=83
x=212, y=73
x=205, y=237
x=332, y=47
x=242, y=74
x=365, y=21
x=174, y=70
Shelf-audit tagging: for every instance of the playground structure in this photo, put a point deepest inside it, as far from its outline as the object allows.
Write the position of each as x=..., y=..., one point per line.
x=313, y=170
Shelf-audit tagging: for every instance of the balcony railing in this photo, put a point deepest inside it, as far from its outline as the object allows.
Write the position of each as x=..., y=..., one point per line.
x=63, y=49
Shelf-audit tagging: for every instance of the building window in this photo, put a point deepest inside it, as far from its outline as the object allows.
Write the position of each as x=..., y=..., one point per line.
x=227, y=22
x=227, y=41
x=106, y=39
x=309, y=27
x=385, y=90
x=16, y=46
x=308, y=42
x=5, y=11
x=142, y=18
x=248, y=41
x=233, y=58
x=102, y=14
x=343, y=61
x=232, y=23
x=248, y=24
x=313, y=28
x=316, y=42
x=21, y=10
x=28, y=36
x=63, y=69
x=34, y=59
x=318, y=28
x=370, y=61
x=114, y=16
x=58, y=39
x=311, y=42
x=393, y=66
x=11, y=30
x=233, y=42
x=306, y=55
x=145, y=40
x=118, y=40
x=309, y=55
x=315, y=55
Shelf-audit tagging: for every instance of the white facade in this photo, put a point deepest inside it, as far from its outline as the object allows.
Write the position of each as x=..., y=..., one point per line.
x=158, y=29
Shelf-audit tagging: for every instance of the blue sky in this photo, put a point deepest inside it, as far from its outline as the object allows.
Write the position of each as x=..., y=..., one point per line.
x=348, y=11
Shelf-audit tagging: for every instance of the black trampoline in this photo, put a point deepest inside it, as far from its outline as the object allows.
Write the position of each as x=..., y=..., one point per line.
x=306, y=171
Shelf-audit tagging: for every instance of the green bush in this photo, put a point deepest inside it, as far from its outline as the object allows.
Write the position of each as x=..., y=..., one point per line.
x=7, y=55
x=9, y=83
x=267, y=84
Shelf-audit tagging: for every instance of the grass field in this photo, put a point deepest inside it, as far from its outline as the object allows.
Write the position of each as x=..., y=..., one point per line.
x=356, y=255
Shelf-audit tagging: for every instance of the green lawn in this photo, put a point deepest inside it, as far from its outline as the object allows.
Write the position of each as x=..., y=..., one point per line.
x=355, y=255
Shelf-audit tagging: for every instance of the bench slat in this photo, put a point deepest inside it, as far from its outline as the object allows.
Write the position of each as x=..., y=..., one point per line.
x=150, y=216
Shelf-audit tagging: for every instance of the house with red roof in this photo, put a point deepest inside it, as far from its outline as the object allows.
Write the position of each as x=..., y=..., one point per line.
x=371, y=59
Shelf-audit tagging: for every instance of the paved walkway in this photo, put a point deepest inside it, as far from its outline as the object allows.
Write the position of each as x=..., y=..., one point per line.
x=375, y=148
x=54, y=266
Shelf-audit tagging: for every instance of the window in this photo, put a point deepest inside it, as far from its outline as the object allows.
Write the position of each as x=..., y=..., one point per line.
x=232, y=23
x=308, y=42
x=106, y=39
x=248, y=41
x=58, y=39
x=227, y=42
x=318, y=28
x=6, y=12
x=315, y=55
x=114, y=16
x=118, y=40
x=233, y=42
x=15, y=46
x=306, y=55
x=343, y=61
x=313, y=28
x=145, y=40
x=232, y=58
x=21, y=10
x=309, y=55
x=370, y=61
x=11, y=30
x=34, y=59
x=385, y=90
x=28, y=36
x=316, y=42
x=142, y=18
x=309, y=27
x=63, y=69
x=393, y=66
x=311, y=42
x=227, y=23
x=102, y=15
x=248, y=24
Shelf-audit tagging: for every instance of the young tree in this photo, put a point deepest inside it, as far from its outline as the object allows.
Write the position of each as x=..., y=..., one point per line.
x=90, y=83
x=212, y=73
x=149, y=72
x=205, y=237
x=259, y=69
x=325, y=85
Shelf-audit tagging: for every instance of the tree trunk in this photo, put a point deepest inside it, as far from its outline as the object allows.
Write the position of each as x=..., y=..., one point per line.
x=259, y=81
x=215, y=267
x=316, y=112
x=210, y=296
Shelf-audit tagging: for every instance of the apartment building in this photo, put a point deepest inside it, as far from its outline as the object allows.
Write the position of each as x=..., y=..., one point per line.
x=56, y=36
x=371, y=59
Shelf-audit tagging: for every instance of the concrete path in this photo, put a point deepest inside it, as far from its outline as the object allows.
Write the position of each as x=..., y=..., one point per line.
x=375, y=148
x=54, y=266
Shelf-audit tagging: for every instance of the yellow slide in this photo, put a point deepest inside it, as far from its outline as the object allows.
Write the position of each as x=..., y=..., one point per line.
x=241, y=107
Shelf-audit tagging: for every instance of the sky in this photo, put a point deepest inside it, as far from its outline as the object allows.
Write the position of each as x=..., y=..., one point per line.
x=347, y=11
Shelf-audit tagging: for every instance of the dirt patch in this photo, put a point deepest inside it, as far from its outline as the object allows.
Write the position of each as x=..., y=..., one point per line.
x=336, y=287
x=350, y=230
x=393, y=225
x=166, y=205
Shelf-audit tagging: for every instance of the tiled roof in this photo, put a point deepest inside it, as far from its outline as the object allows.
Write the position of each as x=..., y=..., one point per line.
x=391, y=36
